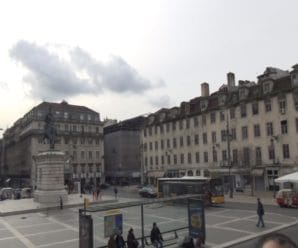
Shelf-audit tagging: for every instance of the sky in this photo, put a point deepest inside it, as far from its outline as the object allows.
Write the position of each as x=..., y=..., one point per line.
x=132, y=57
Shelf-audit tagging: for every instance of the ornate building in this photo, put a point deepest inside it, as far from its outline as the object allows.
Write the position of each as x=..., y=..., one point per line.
x=79, y=135
x=248, y=131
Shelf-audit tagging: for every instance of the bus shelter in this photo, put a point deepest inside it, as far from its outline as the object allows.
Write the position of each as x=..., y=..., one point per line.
x=112, y=216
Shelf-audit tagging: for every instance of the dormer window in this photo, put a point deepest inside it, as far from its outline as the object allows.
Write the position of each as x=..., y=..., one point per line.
x=65, y=115
x=203, y=105
x=267, y=87
x=242, y=93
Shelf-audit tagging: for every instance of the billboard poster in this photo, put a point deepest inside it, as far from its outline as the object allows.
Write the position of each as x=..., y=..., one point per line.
x=86, y=231
x=196, y=219
x=112, y=224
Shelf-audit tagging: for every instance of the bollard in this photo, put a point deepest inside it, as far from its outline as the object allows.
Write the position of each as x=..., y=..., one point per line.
x=61, y=202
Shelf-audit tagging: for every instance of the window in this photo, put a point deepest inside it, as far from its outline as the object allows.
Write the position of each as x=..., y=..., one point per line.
x=82, y=141
x=161, y=145
x=222, y=115
x=206, y=157
x=81, y=116
x=286, y=150
x=213, y=137
x=66, y=128
x=255, y=108
x=82, y=168
x=181, y=141
x=150, y=146
x=96, y=129
x=162, y=159
x=189, y=158
x=205, y=141
x=82, y=155
x=74, y=128
x=223, y=135
x=284, y=126
x=243, y=110
x=168, y=143
x=151, y=161
x=204, y=120
x=75, y=168
x=196, y=121
x=234, y=134
x=187, y=123
x=182, y=158
x=196, y=139
x=174, y=125
x=188, y=140
x=181, y=124
x=297, y=125
x=246, y=156
x=156, y=160
x=150, y=131
x=169, y=159
x=244, y=132
x=161, y=128
x=214, y=154
x=271, y=152
x=257, y=131
x=235, y=155
x=198, y=157
x=213, y=117
x=74, y=154
x=82, y=129
x=97, y=154
x=282, y=106
x=232, y=113
x=145, y=132
x=155, y=129
x=90, y=168
x=174, y=143
x=269, y=127
x=258, y=156
x=224, y=155
x=168, y=127
x=268, y=105
x=156, y=145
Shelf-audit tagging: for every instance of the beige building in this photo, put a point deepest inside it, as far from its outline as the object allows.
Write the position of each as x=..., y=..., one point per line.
x=79, y=134
x=248, y=131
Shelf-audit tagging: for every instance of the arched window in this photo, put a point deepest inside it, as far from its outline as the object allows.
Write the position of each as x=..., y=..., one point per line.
x=190, y=173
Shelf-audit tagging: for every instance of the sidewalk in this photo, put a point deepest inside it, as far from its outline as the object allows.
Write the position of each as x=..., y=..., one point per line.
x=246, y=197
x=11, y=207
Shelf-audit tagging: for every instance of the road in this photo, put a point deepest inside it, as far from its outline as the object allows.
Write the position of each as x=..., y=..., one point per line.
x=225, y=225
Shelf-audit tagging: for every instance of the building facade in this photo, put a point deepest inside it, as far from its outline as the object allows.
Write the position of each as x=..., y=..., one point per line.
x=122, y=151
x=248, y=131
x=79, y=136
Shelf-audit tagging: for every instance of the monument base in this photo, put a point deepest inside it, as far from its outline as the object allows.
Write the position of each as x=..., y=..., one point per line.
x=51, y=196
x=50, y=177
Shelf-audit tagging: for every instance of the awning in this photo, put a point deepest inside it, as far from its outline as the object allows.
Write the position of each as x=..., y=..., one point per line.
x=292, y=178
x=156, y=174
x=257, y=172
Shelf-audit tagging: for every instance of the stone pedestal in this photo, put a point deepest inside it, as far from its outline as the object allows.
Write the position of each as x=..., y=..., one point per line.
x=50, y=177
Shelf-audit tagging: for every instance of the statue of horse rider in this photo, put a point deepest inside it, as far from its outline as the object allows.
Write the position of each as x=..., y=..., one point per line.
x=50, y=132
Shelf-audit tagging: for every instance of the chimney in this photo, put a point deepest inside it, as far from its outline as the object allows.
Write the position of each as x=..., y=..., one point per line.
x=231, y=79
x=204, y=89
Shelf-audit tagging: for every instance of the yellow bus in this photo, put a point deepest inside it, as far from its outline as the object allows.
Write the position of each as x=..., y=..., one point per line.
x=211, y=189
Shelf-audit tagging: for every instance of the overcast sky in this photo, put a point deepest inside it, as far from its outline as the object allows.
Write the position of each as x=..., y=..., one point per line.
x=126, y=58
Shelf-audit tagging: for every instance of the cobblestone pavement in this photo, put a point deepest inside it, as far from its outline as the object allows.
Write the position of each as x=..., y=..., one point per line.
x=59, y=228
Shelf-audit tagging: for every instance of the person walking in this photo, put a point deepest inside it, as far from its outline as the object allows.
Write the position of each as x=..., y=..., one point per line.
x=115, y=192
x=132, y=242
x=155, y=236
x=260, y=212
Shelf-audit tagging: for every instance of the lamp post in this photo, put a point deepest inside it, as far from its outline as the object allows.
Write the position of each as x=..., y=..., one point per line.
x=229, y=158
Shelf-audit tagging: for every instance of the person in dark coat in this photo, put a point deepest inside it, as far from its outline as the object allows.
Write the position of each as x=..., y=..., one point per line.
x=155, y=236
x=120, y=243
x=115, y=192
x=132, y=242
x=112, y=242
x=260, y=212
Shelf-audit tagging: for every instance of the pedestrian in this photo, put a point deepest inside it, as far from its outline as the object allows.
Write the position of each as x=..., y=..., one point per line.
x=115, y=192
x=112, y=242
x=120, y=243
x=94, y=193
x=98, y=192
x=260, y=212
x=276, y=240
x=132, y=242
x=156, y=237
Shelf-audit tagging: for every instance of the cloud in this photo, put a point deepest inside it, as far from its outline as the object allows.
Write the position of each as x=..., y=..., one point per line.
x=163, y=101
x=53, y=77
x=3, y=86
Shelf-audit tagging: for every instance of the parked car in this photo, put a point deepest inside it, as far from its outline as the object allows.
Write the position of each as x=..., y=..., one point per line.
x=104, y=186
x=6, y=193
x=147, y=192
